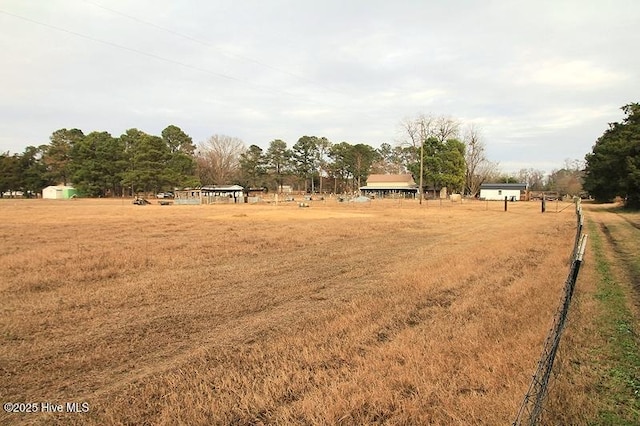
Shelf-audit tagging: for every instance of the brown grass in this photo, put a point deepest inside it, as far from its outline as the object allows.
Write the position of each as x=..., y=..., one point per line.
x=246, y=314
x=597, y=377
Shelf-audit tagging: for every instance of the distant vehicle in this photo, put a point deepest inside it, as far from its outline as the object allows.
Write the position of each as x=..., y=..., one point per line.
x=164, y=195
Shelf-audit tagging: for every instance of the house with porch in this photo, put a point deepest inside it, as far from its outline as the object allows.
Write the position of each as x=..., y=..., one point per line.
x=390, y=186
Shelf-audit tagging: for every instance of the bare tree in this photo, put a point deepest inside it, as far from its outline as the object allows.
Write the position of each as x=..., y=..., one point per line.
x=218, y=159
x=444, y=128
x=410, y=135
x=418, y=131
x=568, y=180
x=479, y=168
x=534, y=178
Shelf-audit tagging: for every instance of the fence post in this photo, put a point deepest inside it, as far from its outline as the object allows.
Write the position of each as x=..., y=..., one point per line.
x=505, y=203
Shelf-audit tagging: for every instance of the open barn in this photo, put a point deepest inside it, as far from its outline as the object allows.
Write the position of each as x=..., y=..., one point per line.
x=211, y=194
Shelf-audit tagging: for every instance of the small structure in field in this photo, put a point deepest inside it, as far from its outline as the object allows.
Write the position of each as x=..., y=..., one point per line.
x=285, y=189
x=59, y=192
x=187, y=196
x=360, y=199
x=12, y=194
x=222, y=194
x=255, y=195
x=390, y=186
x=547, y=195
x=498, y=191
x=211, y=194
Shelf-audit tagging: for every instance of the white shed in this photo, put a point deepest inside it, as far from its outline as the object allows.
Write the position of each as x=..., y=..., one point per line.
x=58, y=192
x=498, y=191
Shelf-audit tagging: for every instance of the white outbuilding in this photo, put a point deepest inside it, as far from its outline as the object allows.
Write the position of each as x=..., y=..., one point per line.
x=498, y=191
x=59, y=192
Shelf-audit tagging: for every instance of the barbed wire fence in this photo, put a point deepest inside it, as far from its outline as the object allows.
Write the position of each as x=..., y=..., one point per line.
x=532, y=405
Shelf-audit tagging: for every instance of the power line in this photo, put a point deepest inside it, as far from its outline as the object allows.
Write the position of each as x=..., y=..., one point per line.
x=143, y=53
x=208, y=44
x=298, y=97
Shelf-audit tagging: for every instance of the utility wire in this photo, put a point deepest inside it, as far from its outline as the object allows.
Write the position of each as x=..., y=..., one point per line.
x=208, y=44
x=141, y=52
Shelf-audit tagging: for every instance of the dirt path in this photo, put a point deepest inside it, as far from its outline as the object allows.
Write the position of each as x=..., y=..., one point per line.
x=622, y=233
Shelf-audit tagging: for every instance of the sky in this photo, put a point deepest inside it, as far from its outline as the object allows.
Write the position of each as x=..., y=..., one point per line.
x=541, y=80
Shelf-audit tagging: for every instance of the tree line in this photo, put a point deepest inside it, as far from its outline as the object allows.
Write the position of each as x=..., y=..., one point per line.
x=613, y=166
x=101, y=165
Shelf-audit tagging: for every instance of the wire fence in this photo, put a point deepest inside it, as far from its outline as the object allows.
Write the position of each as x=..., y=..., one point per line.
x=532, y=407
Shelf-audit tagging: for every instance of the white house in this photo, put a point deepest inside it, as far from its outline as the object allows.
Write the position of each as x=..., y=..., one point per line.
x=498, y=191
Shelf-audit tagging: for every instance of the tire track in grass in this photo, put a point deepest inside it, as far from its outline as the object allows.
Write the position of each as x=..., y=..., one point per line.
x=252, y=324
x=620, y=395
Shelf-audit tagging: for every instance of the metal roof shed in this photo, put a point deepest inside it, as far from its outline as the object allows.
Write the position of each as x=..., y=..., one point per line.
x=498, y=191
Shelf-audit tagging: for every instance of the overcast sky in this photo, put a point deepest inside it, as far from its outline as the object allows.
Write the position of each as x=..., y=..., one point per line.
x=540, y=79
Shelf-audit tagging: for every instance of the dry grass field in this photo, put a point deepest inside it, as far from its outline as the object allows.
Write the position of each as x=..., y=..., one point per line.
x=598, y=364
x=338, y=313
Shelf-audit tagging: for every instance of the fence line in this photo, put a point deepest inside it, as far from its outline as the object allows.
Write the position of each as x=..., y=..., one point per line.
x=533, y=404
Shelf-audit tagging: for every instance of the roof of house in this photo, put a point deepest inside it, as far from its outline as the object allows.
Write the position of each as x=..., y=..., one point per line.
x=381, y=179
x=519, y=186
x=60, y=187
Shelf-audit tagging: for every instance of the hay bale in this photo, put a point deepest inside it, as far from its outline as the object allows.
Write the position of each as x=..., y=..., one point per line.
x=456, y=198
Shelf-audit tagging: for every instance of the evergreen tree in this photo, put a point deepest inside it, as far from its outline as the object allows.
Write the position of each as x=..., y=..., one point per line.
x=278, y=161
x=304, y=159
x=340, y=155
x=57, y=155
x=32, y=171
x=181, y=164
x=253, y=167
x=98, y=165
x=613, y=167
x=147, y=158
x=9, y=173
x=443, y=164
